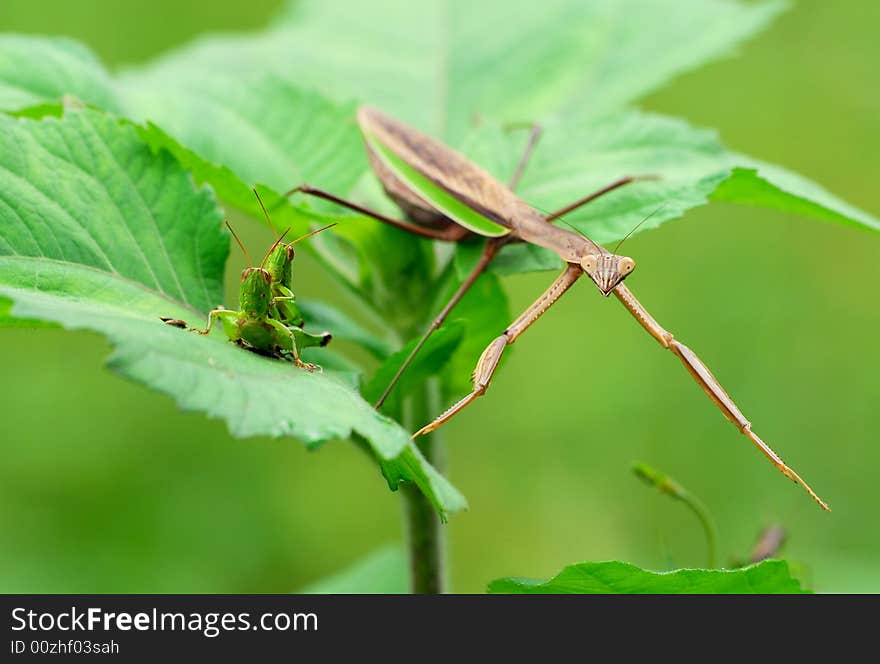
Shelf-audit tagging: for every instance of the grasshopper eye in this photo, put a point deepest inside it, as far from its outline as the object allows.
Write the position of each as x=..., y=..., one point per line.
x=588, y=263
x=626, y=265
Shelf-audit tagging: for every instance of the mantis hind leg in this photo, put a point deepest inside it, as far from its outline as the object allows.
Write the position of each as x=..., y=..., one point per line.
x=535, y=131
x=489, y=252
x=451, y=233
x=571, y=207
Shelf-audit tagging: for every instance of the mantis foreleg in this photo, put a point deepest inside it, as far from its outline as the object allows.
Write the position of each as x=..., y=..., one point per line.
x=708, y=382
x=488, y=361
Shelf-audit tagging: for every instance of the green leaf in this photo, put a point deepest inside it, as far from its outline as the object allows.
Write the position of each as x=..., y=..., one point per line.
x=438, y=64
x=35, y=70
x=756, y=183
x=382, y=572
x=262, y=128
x=433, y=356
x=321, y=316
x=767, y=577
x=579, y=155
x=98, y=232
x=234, y=105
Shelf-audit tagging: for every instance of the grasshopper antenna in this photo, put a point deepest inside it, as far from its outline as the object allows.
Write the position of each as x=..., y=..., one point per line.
x=315, y=232
x=272, y=248
x=266, y=213
x=238, y=240
x=636, y=227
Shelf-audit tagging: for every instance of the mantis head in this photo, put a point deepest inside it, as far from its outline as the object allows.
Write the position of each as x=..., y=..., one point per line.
x=607, y=270
x=255, y=295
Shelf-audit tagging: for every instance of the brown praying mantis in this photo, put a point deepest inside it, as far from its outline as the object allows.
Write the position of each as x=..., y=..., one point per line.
x=445, y=196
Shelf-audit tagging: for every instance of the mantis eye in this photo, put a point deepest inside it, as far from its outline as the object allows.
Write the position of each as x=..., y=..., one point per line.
x=588, y=263
x=626, y=265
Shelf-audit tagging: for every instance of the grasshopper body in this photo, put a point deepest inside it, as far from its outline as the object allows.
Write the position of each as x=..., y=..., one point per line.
x=268, y=320
x=253, y=324
x=279, y=264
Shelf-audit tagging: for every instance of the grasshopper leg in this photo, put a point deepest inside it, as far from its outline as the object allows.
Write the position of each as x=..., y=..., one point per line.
x=286, y=333
x=488, y=361
x=221, y=314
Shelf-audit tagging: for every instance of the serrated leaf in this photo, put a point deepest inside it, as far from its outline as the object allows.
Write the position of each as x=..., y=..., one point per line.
x=98, y=232
x=577, y=156
x=767, y=577
x=479, y=58
x=755, y=183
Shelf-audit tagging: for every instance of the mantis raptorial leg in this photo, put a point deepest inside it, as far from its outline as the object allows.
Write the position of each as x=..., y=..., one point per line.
x=488, y=361
x=701, y=373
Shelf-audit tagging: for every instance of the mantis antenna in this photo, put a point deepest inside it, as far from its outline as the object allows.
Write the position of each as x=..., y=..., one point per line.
x=625, y=237
x=636, y=227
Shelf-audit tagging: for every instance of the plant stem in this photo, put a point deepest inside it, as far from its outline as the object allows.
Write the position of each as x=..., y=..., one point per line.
x=670, y=487
x=424, y=532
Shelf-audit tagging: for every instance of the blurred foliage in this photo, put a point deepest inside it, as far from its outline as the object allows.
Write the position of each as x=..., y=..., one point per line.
x=126, y=506
x=766, y=578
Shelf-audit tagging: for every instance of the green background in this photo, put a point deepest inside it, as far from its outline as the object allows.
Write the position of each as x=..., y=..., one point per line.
x=106, y=487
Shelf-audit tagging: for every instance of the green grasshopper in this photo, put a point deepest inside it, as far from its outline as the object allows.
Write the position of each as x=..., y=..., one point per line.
x=279, y=264
x=256, y=325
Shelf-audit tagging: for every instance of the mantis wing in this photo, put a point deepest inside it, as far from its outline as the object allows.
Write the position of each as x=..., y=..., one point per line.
x=454, y=185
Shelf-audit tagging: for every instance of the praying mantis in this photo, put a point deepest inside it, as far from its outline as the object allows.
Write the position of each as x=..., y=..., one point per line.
x=444, y=196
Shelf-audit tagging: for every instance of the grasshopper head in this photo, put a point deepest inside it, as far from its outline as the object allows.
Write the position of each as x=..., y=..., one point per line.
x=607, y=270
x=256, y=292
x=277, y=262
